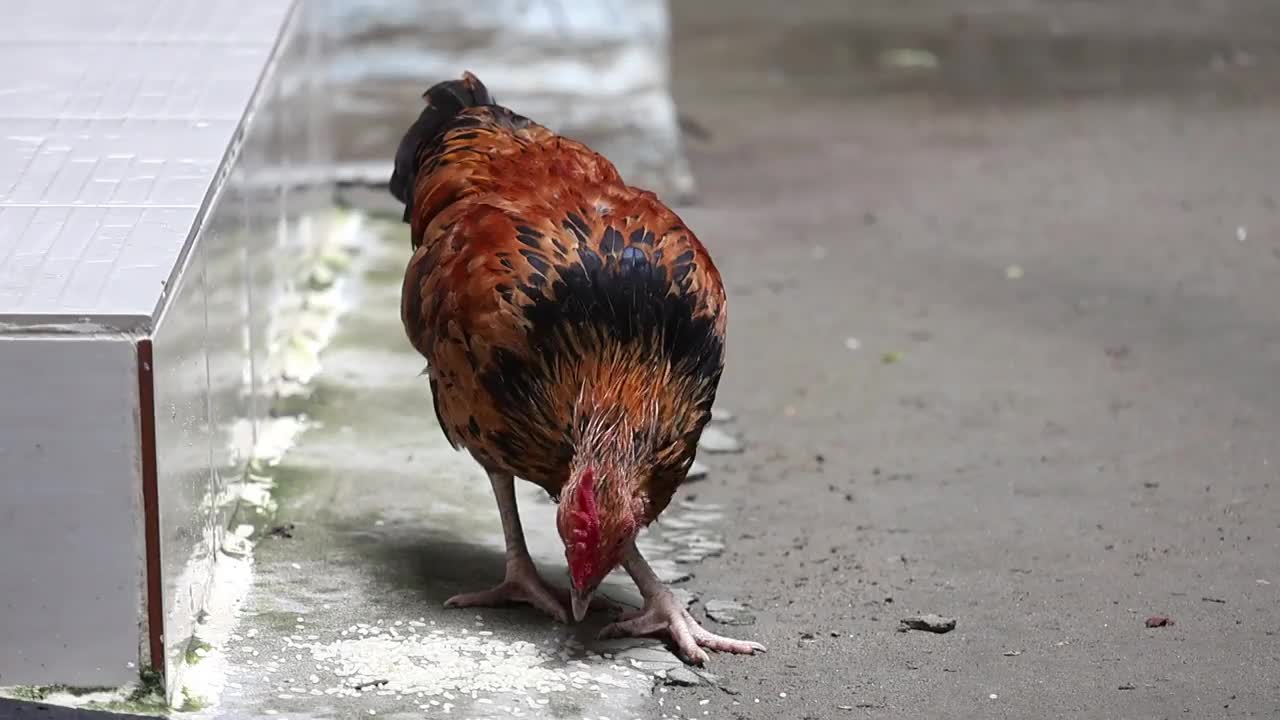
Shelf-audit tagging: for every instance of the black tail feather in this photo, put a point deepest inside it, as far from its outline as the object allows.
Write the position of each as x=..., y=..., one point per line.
x=444, y=101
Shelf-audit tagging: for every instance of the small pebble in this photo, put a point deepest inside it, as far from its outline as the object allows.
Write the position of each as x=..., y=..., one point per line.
x=683, y=596
x=928, y=623
x=728, y=612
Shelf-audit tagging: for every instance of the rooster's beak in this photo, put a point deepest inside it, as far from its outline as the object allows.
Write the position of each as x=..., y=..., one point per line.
x=580, y=600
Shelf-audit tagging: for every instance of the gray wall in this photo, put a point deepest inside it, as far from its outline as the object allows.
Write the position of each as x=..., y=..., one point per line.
x=71, y=544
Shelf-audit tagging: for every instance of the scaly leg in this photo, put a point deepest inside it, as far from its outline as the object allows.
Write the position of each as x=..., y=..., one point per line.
x=522, y=583
x=663, y=613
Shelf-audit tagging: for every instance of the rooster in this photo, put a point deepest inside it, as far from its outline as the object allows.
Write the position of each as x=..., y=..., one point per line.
x=574, y=334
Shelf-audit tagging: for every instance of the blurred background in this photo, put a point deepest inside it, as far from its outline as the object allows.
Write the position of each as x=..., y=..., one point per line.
x=597, y=71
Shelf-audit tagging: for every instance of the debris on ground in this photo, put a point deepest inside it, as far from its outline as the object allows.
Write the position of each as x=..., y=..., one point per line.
x=1014, y=272
x=1127, y=686
x=1012, y=653
x=892, y=357
x=368, y=685
x=693, y=128
x=928, y=623
x=669, y=573
x=1220, y=601
x=715, y=440
x=728, y=612
x=651, y=659
x=236, y=546
x=1159, y=621
x=683, y=596
x=281, y=531
x=682, y=677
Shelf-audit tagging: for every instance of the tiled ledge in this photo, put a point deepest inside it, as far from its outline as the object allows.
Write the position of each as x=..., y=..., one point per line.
x=138, y=261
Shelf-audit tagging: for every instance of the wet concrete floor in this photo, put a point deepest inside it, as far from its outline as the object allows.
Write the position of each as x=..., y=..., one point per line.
x=1004, y=347
x=378, y=522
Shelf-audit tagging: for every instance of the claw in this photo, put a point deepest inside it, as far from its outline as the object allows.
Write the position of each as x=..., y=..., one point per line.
x=522, y=585
x=662, y=614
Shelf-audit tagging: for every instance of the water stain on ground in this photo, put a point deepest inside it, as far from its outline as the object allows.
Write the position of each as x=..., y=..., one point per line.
x=386, y=521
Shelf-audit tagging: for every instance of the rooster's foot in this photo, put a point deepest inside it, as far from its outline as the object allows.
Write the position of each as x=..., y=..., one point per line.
x=664, y=614
x=523, y=584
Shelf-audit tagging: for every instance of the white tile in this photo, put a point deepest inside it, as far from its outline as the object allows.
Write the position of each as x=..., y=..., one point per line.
x=130, y=106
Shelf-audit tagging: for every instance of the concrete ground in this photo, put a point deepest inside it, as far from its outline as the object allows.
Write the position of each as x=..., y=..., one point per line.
x=1004, y=346
x=377, y=522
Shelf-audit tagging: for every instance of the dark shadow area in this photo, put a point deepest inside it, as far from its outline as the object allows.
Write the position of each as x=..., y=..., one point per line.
x=19, y=710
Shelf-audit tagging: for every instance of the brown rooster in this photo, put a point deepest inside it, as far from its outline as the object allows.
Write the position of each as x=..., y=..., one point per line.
x=574, y=334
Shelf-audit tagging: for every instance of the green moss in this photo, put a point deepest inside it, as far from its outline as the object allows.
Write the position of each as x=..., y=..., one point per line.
x=191, y=703
x=321, y=278
x=80, y=691
x=131, y=708
x=43, y=692
x=146, y=699
x=257, y=466
x=194, y=647
x=150, y=688
x=26, y=692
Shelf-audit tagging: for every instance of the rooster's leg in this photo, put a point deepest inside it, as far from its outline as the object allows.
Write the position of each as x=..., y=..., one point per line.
x=662, y=613
x=522, y=584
